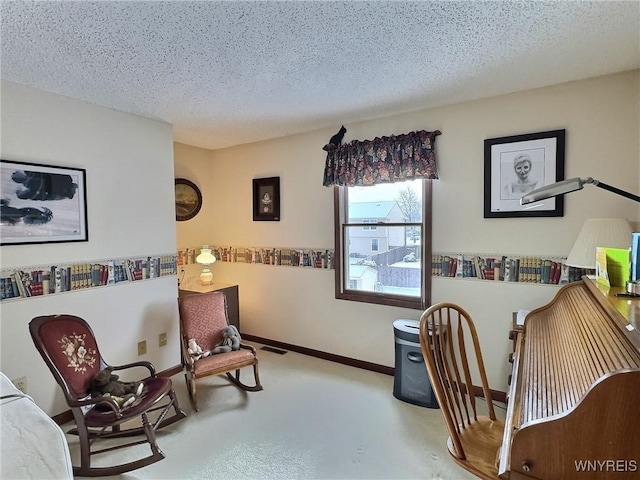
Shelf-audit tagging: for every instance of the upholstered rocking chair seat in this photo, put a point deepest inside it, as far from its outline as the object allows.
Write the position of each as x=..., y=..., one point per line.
x=223, y=362
x=153, y=391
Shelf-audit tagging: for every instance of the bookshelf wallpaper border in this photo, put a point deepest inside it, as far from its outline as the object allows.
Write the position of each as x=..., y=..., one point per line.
x=512, y=268
x=42, y=280
x=522, y=268
x=310, y=258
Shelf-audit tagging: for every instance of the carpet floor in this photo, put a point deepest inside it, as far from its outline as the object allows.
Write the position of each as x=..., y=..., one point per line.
x=314, y=419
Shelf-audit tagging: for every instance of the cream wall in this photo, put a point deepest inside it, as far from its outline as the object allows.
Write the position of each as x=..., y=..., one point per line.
x=297, y=306
x=129, y=165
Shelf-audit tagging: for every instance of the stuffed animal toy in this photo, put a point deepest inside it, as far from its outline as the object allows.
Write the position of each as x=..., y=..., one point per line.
x=221, y=348
x=231, y=337
x=106, y=384
x=196, y=350
x=230, y=341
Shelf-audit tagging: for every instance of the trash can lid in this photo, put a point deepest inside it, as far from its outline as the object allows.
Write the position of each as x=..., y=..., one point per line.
x=407, y=329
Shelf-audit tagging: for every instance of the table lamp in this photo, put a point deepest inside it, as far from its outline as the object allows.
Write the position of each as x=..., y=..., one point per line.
x=206, y=258
x=598, y=232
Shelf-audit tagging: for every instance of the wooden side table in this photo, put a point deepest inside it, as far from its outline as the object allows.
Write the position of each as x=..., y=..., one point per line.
x=230, y=291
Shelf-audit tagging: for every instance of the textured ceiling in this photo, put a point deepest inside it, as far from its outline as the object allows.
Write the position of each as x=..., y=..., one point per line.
x=227, y=73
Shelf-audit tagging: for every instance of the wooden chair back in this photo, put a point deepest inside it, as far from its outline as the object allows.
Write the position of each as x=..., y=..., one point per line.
x=69, y=348
x=203, y=318
x=450, y=346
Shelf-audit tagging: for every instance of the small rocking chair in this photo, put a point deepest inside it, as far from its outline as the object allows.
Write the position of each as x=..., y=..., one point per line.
x=68, y=346
x=203, y=317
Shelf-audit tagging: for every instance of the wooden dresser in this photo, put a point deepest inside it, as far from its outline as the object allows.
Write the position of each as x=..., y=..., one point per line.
x=230, y=291
x=574, y=398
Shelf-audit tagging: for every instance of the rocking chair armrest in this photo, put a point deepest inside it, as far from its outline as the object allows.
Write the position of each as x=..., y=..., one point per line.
x=187, y=359
x=142, y=363
x=93, y=401
x=112, y=404
x=248, y=347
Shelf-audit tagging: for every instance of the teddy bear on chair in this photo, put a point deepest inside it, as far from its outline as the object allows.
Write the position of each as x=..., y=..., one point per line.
x=106, y=384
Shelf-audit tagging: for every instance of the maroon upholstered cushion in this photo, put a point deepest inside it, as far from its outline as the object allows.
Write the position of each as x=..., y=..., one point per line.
x=203, y=317
x=154, y=389
x=223, y=360
x=73, y=350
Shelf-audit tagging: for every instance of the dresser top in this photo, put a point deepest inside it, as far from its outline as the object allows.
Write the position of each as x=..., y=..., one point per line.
x=199, y=288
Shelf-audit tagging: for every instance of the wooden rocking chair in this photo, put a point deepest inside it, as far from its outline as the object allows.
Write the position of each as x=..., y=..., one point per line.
x=69, y=349
x=203, y=318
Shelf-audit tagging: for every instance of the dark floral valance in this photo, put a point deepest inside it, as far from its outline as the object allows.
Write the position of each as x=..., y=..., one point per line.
x=381, y=160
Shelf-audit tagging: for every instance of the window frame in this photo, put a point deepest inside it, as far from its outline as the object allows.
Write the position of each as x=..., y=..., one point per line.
x=342, y=291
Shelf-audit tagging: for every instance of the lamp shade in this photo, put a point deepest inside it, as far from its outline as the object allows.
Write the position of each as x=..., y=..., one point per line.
x=598, y=232
x=206, y=258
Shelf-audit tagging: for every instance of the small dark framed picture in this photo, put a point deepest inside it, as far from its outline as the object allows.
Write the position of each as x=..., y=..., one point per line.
x=266, y=199
x=517, y=165
x=42, y=203
x=188, y=199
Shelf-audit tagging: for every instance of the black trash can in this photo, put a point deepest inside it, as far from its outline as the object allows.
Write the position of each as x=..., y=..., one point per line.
x=411, y=382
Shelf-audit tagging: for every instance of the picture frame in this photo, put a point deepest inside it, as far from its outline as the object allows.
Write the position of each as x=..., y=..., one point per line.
x=516, y=165
x=266, y=199
x=42, y=203
x=188, y=199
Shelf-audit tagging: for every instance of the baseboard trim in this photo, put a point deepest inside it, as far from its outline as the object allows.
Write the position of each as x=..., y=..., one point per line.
x=63, y=417
x=352, y=362
x=497, y=395
x=170, y=372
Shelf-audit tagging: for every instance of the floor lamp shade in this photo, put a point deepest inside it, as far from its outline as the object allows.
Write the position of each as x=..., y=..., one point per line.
x=598, y=232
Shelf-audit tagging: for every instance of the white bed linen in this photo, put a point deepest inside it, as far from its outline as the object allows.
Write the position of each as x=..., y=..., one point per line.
x=32, y=444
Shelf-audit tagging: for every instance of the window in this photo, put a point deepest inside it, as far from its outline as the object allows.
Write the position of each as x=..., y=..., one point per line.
x=391, y=264
x=370, y=227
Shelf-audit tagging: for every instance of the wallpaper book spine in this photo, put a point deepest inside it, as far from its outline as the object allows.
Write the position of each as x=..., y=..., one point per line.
x=47, y=280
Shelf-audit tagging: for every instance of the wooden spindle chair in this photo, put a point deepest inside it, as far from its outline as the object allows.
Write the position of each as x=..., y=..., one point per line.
x=450, y=346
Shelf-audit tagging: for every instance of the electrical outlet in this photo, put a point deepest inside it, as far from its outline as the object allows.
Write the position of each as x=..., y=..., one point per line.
x=142, y=347
x=21, y=384
x=162, y=339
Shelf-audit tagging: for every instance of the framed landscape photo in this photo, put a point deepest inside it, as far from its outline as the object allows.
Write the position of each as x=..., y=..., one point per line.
x=266, y=199
x=517, y=165
x=188, y=199
x=42, y=203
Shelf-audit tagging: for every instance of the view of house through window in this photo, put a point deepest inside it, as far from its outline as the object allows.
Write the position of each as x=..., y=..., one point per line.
x=381, y=246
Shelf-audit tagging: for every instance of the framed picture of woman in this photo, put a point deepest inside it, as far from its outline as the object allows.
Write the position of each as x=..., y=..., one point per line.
x=517, y=165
